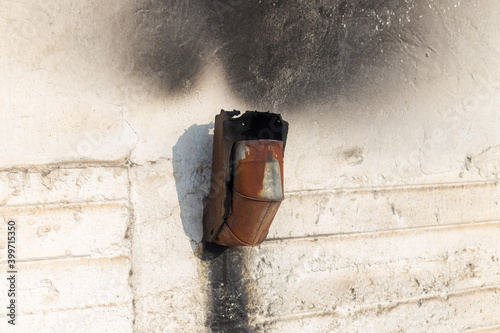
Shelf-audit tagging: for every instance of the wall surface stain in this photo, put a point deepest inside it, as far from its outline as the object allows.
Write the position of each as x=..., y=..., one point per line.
x=228, y=289
x=275, y=53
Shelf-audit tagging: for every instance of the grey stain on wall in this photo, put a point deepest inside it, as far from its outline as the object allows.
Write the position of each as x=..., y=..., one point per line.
x=275, y=53
x=170, y=42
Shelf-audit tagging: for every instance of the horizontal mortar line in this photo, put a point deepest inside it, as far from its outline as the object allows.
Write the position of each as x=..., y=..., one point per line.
x=83, y=307
x=480, y=329
x=66, y=204
x=142, y=296
x=387, y=231
x=75, y=164
x=393, y=187
x=62, y=259
x=381, y=305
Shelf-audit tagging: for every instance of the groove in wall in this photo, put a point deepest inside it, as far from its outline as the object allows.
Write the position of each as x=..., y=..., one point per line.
x=120, y=163
x=66, y=204
x=72, y=259
x=395, y=187
x=489, y=329
x=385, y=232
x=381, y=306
x=89, y=306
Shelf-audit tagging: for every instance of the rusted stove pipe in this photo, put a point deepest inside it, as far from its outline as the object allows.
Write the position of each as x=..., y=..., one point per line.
x=247, y=177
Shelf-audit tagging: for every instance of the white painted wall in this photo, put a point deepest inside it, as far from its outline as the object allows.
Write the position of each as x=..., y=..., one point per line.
x=392, y=213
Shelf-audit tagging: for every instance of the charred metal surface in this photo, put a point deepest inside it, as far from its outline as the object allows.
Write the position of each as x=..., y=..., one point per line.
x=267, y=128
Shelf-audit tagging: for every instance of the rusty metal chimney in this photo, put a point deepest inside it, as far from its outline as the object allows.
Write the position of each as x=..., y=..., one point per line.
x=247, y=177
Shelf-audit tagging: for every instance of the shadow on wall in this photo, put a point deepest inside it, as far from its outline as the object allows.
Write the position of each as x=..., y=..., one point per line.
x=192, y=159
x=228, y=287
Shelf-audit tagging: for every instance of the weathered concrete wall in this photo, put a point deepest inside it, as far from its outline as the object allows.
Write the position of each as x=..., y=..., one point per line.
x=392, y=213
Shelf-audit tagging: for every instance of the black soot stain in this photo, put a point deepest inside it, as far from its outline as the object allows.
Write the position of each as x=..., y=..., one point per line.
x=228, y=309
x=170, y=42
x=274, y=52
